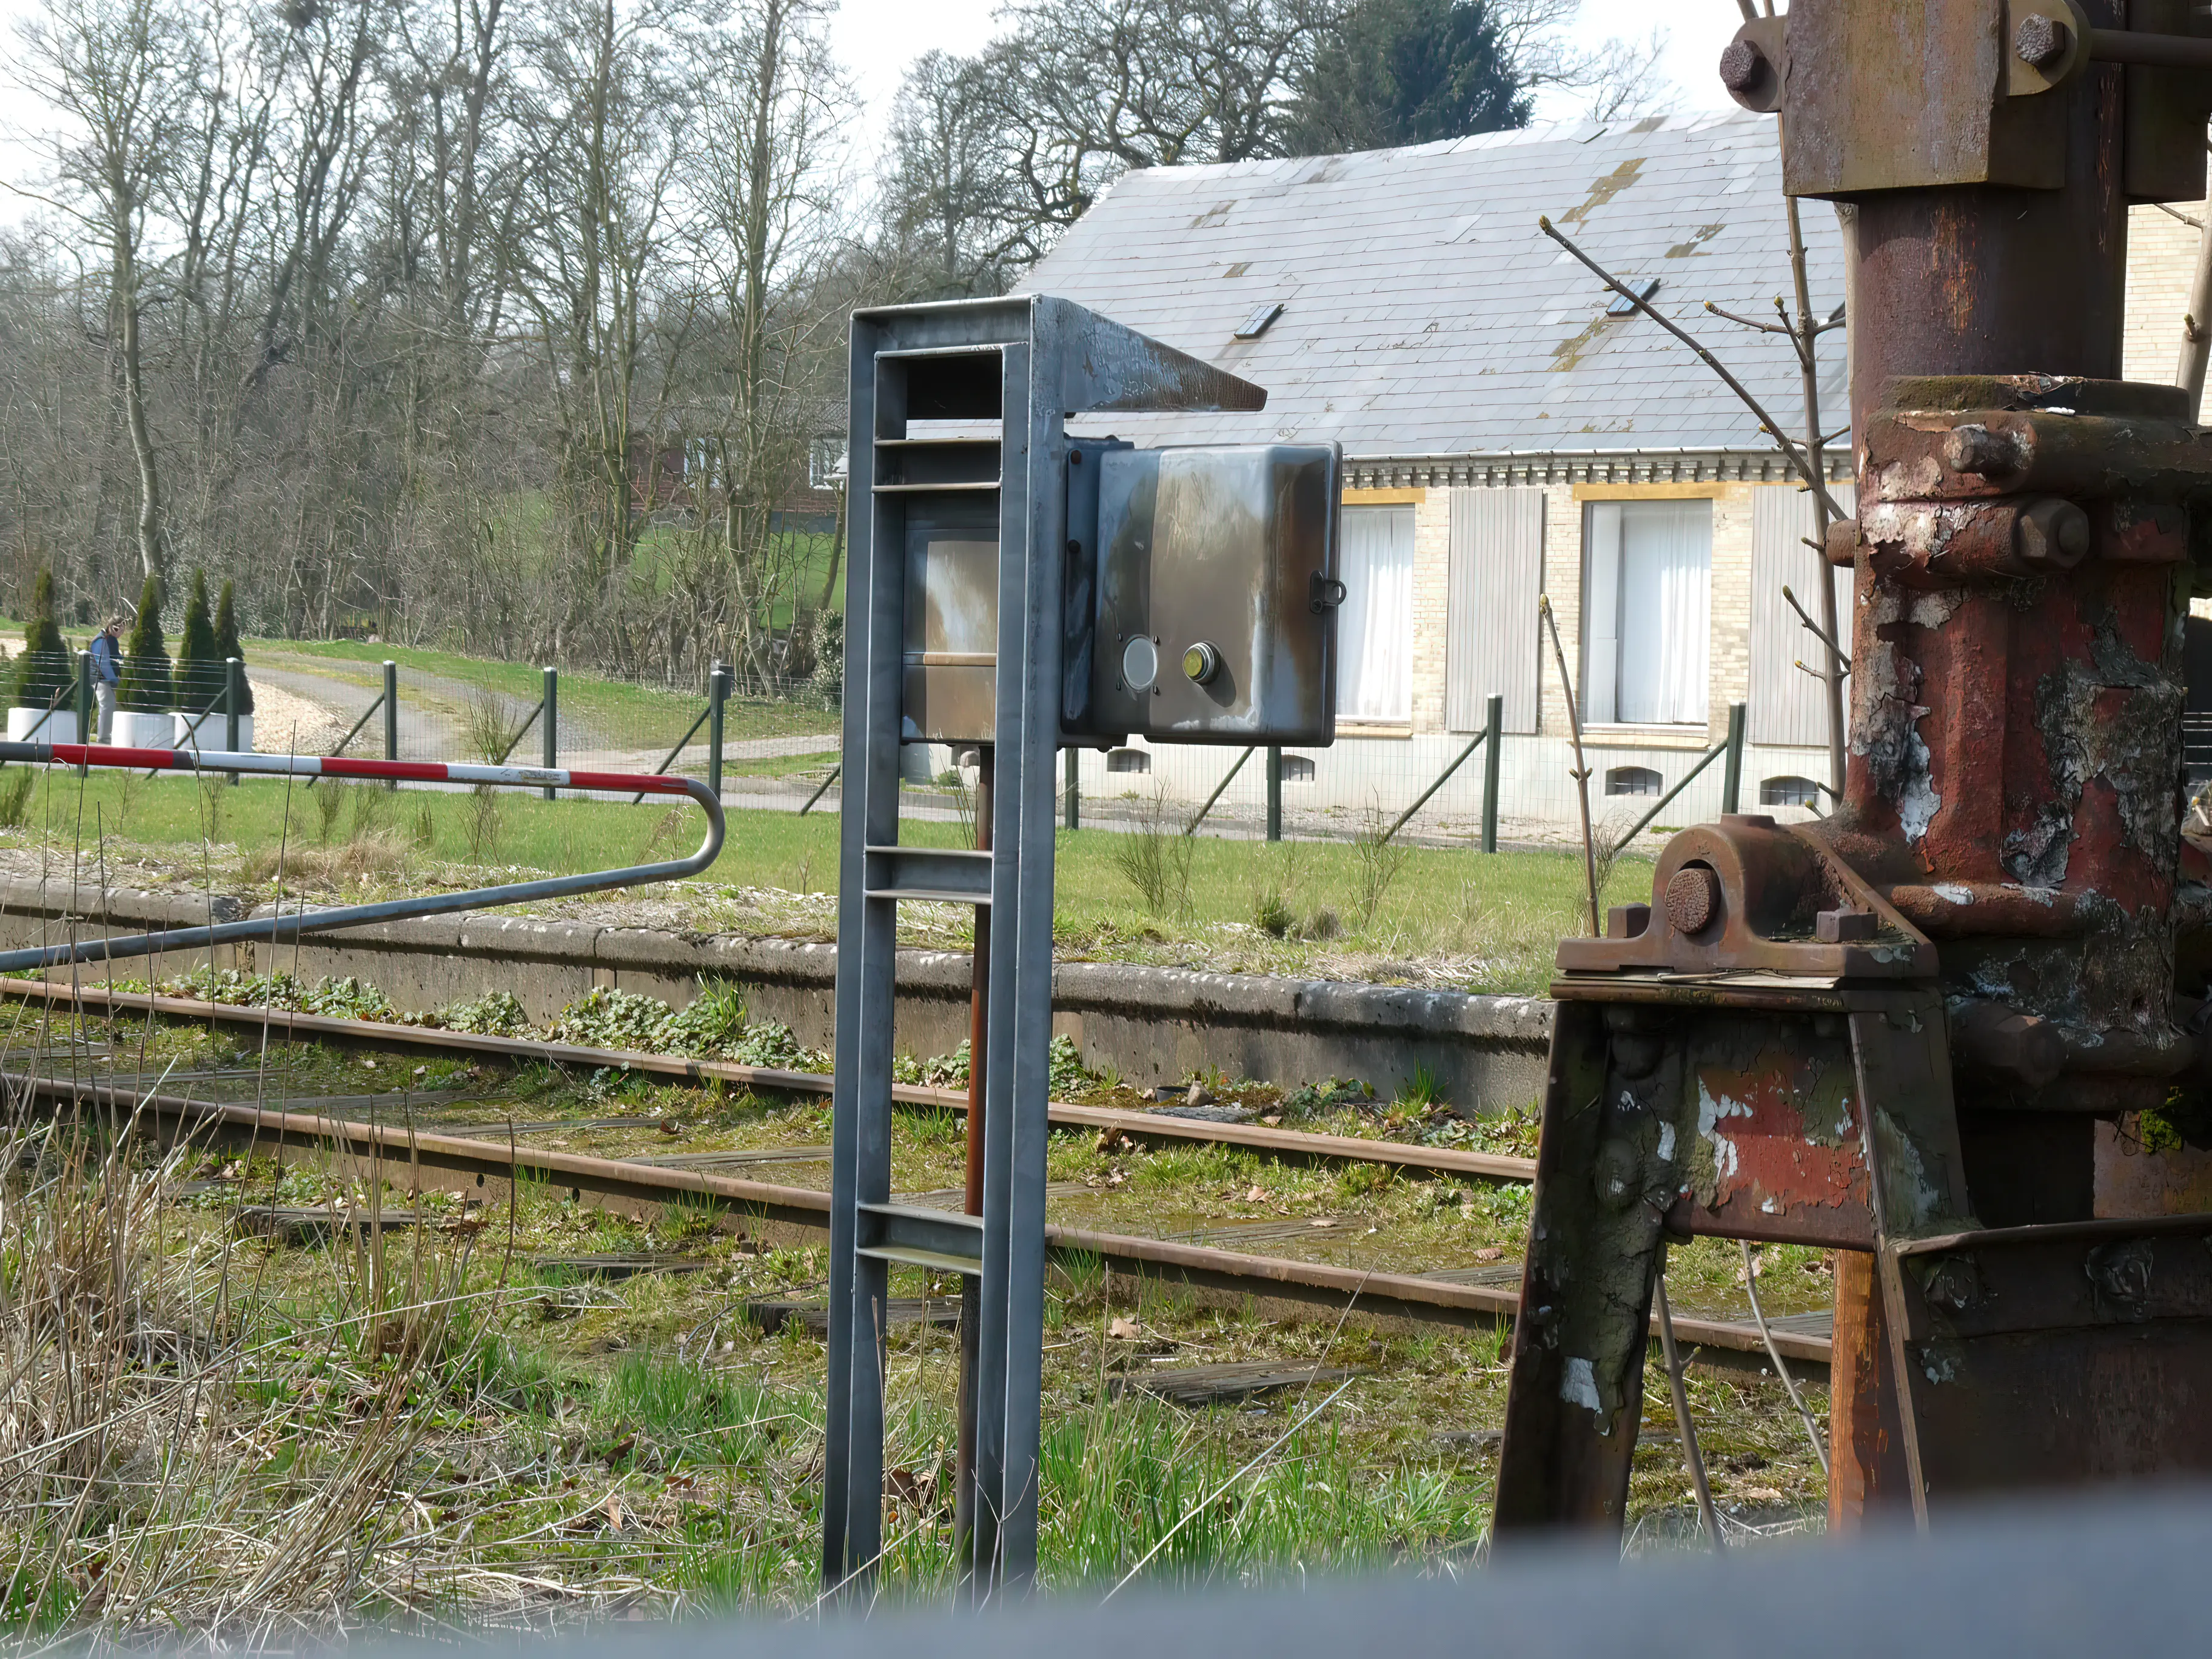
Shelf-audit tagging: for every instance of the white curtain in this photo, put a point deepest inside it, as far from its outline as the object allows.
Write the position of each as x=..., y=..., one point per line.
x=1649, y=606
x=1375, y=627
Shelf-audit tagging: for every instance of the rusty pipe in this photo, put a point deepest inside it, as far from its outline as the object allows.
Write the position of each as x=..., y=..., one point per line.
x=971, y=1287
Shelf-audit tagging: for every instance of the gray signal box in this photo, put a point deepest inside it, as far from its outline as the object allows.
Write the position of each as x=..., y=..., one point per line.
x=1009, y=586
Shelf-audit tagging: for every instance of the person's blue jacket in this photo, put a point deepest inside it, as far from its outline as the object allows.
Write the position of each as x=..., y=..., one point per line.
x=106, y=660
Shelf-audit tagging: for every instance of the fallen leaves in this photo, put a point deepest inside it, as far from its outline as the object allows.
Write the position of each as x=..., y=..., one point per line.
x=1124, y=1330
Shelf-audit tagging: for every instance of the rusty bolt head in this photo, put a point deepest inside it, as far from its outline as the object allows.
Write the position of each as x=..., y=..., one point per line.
x=1694, y=898
x=2041, y=41
x=1742, y=64
x=1977, y=450
x=1843, y=926
x=2052, y=533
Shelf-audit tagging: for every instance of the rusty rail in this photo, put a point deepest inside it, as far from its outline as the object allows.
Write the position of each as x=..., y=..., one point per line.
x=471, y=1165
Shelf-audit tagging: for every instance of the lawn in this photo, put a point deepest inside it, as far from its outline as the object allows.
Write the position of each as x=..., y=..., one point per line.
x=1345, y=908
x=641, y=716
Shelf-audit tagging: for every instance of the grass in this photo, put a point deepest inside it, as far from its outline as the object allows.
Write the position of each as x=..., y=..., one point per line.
x=1444, y=916
x=639, y=715
x=290, y=1443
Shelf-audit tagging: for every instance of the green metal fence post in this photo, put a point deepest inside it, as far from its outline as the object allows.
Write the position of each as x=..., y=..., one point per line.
x=87, y=717
x=1493, y=741
x=391, y=714
x=717, y=692
x=233, y=672
x=1732, y=777
x=552, y=723
x=1071, y=809
x=1274, y=791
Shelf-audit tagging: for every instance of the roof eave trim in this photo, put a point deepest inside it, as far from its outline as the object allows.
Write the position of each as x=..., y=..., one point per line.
x=1500, y=468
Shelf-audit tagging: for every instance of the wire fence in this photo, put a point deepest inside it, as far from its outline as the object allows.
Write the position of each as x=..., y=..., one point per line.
x=774, y=748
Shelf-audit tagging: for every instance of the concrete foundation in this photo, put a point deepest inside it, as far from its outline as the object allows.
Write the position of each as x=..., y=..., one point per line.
x=1150, y=1024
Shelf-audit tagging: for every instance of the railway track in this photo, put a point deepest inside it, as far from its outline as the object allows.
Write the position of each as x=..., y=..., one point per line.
x=471, y=1163
x=1290, y=1144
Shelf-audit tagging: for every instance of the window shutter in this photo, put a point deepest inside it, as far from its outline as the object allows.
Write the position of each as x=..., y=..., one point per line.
x=1787, y=705
x=1496, y=571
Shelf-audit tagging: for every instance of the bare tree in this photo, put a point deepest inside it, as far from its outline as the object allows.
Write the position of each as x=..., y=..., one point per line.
x=119, y=72
x=608, y=106
x=946, y=204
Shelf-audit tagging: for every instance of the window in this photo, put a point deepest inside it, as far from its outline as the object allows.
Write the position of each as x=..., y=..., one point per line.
x=1296, y=768
x=1633, y=780
x=1127, y=760
x=1788, y=791
x=1374, y=624
x=1647, y=611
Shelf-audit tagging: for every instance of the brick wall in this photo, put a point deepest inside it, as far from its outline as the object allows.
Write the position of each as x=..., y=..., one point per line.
x=2161, y=260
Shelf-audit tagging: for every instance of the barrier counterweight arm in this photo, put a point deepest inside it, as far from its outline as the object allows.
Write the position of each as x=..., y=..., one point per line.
x=273, y=928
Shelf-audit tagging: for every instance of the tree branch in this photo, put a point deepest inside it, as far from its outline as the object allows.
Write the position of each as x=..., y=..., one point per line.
x=1767, y=423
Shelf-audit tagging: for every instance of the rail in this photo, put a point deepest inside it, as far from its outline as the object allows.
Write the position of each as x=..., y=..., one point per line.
x=281, y=927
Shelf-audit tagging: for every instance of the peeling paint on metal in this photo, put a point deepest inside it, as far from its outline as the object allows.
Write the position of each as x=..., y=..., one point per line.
x=1709, y=1113
x=1579, y=1384
x=1918, y=803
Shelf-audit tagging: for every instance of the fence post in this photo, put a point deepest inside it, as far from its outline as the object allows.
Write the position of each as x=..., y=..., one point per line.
x=1493, y=740
x=1071, y=810
x=718, y=691
x=233, y=672
x=88, y=718
x=391, y=714
x=551, y=722
x=1732, y=775
x=1274, y=791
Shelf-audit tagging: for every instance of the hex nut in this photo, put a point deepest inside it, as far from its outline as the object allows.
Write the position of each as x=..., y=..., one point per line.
x=1740, y=65
x=2041, y=41
x=1843, y=926
x=2053, y=533
x=1976, y=449
x=1694, y=898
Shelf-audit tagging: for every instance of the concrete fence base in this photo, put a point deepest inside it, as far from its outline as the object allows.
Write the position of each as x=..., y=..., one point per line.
x=1150, y=1024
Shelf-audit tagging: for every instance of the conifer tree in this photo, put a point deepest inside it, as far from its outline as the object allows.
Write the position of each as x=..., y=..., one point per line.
x=145, y=689
x=199, y=662
x=227, y=645
x=43, y=676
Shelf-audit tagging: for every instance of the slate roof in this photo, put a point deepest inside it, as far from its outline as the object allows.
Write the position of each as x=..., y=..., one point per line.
x=1425, y=315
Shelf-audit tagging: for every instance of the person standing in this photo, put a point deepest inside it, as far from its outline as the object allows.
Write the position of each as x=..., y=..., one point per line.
x=106, y=674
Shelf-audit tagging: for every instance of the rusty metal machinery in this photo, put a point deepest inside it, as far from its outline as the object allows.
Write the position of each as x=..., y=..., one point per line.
x=1894, y=1032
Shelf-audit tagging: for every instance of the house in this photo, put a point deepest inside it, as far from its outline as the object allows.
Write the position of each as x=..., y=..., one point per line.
x=1508, y=431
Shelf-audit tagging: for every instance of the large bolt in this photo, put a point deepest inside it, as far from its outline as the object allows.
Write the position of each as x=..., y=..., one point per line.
x=1694, y=898
x=1977, y=450
x=2041, y=41
x=2052, y=533
x=1741, y=64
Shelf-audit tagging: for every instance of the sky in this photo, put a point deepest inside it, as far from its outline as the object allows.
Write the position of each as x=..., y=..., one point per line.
x=878, y=39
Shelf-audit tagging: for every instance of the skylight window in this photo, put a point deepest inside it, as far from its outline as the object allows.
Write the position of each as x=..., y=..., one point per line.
x=1622, y=307
x=1259, y=321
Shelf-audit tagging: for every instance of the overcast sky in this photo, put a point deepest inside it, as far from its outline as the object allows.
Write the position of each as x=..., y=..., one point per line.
x=878, y=39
